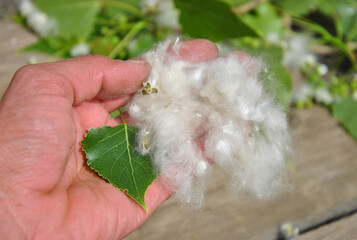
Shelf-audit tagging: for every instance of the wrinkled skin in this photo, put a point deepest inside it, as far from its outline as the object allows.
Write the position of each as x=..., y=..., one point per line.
x=46, y=189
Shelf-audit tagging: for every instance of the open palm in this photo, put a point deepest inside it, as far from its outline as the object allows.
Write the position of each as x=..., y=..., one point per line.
x=46, y=190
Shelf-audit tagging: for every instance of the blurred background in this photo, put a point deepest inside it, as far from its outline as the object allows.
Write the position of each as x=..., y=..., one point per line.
x=309, y=48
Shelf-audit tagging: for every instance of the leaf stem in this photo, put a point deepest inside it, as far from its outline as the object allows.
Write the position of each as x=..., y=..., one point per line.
x=122, y=118
x=328, y=38
x=129, y=36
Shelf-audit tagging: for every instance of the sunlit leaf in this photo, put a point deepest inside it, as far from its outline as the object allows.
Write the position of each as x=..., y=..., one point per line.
x=345, y=111
x=118, y=7
x=266, y=21
x=144, y=42
x=111, y=152
x=211, y=19
x=104, y=45
x=346, y=15
x=73, y=17
x=299, y=7
x=40, y=46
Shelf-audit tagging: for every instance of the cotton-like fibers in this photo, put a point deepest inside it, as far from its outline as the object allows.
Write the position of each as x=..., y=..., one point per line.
x=194, y=116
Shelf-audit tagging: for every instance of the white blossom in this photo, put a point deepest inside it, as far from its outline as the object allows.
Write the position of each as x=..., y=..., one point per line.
x=354, y=95
x=297, y=52
x=26, y=7
x=32, y=60
x=80, y=49
x=37, y=20
x=322, y=95
x=165, y=13
x=42, y=25
x=273, y=37
x=322, y=69
x=210, y=112
x=303, y=93
x=309, y=60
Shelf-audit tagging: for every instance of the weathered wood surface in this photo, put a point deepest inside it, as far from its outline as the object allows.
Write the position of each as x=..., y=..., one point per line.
x=323, y=182
x=324, y=186
x=12, y=39
x=344, y=229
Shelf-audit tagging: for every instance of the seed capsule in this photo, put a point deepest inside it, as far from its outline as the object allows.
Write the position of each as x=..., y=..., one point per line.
x=148, y=89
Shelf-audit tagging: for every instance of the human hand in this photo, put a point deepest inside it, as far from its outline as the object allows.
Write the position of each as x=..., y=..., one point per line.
x=46, y=189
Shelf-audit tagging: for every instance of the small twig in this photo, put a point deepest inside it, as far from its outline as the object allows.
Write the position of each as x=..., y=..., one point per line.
x=352, y=46
x=286, y=20
x=328, y=38
x=323, y=49
x=129, y=36
x=248, y=6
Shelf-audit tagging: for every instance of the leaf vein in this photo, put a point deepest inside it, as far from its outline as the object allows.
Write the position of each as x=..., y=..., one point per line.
x=130, y=159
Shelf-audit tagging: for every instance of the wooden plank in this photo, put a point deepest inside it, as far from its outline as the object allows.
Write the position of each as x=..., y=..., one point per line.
x=344, y=229
x=13, y=38
x=323, y=184
x=323, y=187
x=7, y=7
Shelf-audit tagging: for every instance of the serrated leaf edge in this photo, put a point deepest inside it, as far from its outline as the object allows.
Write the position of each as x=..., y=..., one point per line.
x=122, y=189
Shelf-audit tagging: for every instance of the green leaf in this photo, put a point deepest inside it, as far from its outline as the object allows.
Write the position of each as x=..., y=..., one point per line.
x=104, y=45
x=41, y=45
x=144, y=42
x=277, y=80
x=345, y=15
x=282, y=81
x=236, y=2
x=118, y=7
x=266, y=22
x=73, y=17
x=344, y=12
x=17, y=18
x=299, y=7
x=110, y=152
x=211, y=19
x=345, y=111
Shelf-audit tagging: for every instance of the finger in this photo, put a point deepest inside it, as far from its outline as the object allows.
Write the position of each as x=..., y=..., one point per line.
x=93, y=114
x=114, y=103
x=82, y=78
x=117, y=212
x=156, y=194
x=248, y=61
x=196, y=50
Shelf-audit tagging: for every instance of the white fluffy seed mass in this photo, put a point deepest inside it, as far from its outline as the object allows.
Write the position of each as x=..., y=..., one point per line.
x=194, y=116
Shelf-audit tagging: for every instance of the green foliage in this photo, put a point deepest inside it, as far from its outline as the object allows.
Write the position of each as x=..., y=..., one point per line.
x=111, y=152
x=344, y=13
x=141, y=44
x=237, y=2
x=103, y=24
x=212, y=20
x=345, y=111
x=266, y=21
x=300, y=7
x=117, y=8
x=73, y=17
x=42, y=45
